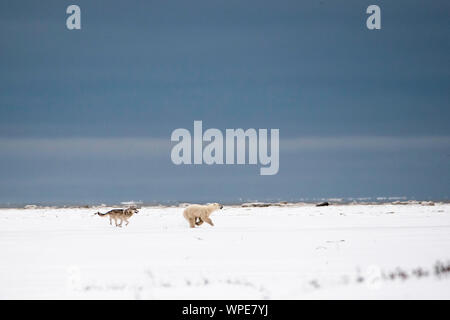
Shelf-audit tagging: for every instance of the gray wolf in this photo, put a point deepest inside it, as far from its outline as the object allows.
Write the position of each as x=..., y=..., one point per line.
x=119, y=214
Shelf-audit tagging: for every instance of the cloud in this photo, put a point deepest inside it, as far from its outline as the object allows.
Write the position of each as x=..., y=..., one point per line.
x=117, y=147
x=366, y=143
x=157, y=147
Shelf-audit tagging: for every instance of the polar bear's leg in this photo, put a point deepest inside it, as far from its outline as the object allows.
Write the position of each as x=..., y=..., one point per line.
x=199, y=221
x=191, y=222
x=208, y=220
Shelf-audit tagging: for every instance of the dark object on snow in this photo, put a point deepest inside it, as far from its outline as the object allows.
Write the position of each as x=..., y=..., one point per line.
x=322, y=204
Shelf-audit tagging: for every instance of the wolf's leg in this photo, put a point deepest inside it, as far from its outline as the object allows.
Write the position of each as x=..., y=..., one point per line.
x=115, y=222
x=192, y=222
x=110, y=220
x=208, y=220
x=199, y=221
x=127, y=222
x=120, y=224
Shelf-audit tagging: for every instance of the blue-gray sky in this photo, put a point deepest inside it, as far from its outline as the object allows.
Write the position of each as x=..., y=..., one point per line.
x=86, y=115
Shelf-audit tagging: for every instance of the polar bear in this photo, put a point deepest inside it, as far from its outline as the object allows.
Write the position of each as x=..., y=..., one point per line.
x=196, y=214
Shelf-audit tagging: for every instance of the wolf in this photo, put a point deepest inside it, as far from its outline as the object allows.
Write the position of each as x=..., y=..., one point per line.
x=196, y=214
x=119, y=214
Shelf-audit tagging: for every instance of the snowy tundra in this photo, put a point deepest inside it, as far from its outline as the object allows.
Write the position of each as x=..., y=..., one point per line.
x=292, y=252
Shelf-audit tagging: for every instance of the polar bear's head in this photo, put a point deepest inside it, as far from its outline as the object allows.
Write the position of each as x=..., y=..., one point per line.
x=216, y=206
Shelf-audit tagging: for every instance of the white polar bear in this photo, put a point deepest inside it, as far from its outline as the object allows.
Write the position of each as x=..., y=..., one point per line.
x=196, y=214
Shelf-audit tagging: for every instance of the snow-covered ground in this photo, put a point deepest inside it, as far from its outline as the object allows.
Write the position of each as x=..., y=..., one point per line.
x=303, y=252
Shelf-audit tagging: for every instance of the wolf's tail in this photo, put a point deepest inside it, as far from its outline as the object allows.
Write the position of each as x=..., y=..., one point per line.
x=101, y=214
